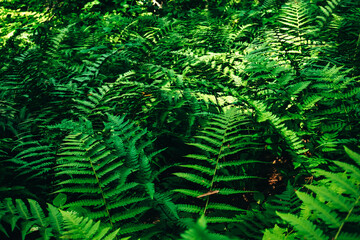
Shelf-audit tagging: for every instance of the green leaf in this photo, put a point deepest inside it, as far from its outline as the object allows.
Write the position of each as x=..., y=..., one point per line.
x=194, y=178
x=60, y=200
x=353, y=155
x=320, y=209
x=304, y=227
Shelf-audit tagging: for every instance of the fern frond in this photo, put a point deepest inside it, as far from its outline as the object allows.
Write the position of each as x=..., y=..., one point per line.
x=335, y=200
x=100, y=171
x=226, y=207
x=189, y=192
x=276, y=233
x=34, y=157
x=84, y=228
x=199, y=231
x=202, y=169
x=189, y=208
x=286, y=202
x=353, y=155
x=29, y=214
x=322, y=211
x=348, y=236
x=327, y=11
x=341, y=182
x=194, y=178
x=333, y=210
x=222, y=140
x=305, y=227
x=221, y=220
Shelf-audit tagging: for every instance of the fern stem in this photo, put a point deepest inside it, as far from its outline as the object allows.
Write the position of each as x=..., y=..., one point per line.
x=215, y=170
x=347, y=217
x=102, y=193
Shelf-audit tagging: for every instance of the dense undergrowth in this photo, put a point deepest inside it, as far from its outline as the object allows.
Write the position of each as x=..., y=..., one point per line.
x=180, y=119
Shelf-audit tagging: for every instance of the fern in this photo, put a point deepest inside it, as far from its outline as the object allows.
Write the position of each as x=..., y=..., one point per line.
x=106, y=167
x=100, y=169
x=221, y=142
x=305, y=227
x=199, y=231
x=290, y=137
x=254, y=222
x=84, y=228
x=294, y=22
x=30, y=217
x=34, y=157
x=332, y=212
x=276, y=233
x=286, y=202
x=327, y=11
x=100, y=105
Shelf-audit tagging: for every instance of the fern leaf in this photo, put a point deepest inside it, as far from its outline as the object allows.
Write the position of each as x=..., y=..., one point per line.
x=204, y=147
x=126, y=201
x=199, y=231
x=231, y=178
x=189, y=208
x=350, y=168
x=341, y=181
x=225, y=207
x=221, y=220
x=353, y=155
x=348, y=236
x=194, y=178
x=200, y=157
x=324, y=212
x=37, y=212
x=210, y=140
x=335, y=200
x=305, y=227
x=130, y=214
x=55, y=219
x=188, y=192
x=276, y=233
x=229, y=191
x=83, y=228
x=200, y=168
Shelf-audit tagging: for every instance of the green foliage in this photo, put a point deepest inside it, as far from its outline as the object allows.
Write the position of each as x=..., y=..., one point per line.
x=32, y=220
x=199, y=231
x=94, y=173
x=84, y=228
x=331, y=211
x=220, y=168
x=151, y=114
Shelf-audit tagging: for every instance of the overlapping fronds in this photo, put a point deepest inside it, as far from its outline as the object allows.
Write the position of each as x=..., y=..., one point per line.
x=199, y=231
x=76, y=227
x=33, y=220
x=147, y=118
x=331, y=210
x=98, y=172
x=30, y=218
x=33, y=157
